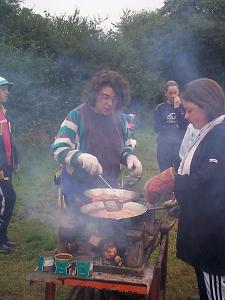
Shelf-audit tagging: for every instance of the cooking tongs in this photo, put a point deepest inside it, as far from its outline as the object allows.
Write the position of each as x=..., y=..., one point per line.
x=115, y=204
x=106, y=182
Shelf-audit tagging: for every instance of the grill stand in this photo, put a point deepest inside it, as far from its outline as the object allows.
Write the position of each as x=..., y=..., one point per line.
x=152, y=285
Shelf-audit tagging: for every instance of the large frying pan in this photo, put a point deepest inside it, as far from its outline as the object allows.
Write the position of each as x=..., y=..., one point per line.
x=98, y=210
x=128, y=209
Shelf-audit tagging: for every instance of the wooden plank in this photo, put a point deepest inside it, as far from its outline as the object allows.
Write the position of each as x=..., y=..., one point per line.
x=98, y=280
x=119, y=287
x=42, y=276
x=50, y=291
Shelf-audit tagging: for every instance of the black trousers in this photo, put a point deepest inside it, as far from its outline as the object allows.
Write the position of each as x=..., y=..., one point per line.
x=7, y=203
x=201, y=285
x=211, y=286
x=168, y=154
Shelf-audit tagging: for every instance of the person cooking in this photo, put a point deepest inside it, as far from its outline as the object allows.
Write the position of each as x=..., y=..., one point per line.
x=199, y=188
x=94, y=139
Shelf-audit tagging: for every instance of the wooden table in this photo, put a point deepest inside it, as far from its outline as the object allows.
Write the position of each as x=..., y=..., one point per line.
x=152, y=285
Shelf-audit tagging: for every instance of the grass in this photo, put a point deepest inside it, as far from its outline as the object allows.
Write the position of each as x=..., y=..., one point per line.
x=34, y=225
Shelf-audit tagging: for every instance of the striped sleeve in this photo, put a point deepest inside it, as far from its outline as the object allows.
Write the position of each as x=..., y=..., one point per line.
x=126, y=136
x=65, y=148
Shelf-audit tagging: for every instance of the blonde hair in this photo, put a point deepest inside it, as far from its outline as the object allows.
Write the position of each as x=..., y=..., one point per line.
x=170, y=83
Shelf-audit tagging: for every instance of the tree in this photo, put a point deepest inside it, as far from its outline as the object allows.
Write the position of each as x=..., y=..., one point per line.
x=212, y=8
x=200, y=31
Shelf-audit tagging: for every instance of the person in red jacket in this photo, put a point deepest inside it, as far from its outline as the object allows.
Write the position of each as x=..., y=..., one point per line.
x=8, y=161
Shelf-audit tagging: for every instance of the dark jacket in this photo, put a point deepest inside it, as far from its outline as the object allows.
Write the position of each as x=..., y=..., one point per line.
x=169, y=122
x=201, y=196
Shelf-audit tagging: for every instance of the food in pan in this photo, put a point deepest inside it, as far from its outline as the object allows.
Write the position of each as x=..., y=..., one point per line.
x=111, y=197
x=129, y=210
x=119, y=214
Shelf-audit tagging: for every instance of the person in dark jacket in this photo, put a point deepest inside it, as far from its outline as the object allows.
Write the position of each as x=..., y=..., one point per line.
x=200, y=188
x=8, y=161
x=170, y=125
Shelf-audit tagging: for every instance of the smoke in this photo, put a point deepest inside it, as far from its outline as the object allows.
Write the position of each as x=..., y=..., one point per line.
x=185, y=67
x=37, y=196
x=171, y=53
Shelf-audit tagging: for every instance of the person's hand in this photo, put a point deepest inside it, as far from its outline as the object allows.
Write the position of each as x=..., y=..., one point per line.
x=134, y=164
x=151, y=198
x=177, y=102
x=2, y=177
x=90, y=163
x=159, y=185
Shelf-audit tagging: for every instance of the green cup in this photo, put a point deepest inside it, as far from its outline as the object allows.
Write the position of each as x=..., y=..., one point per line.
x=84, y=268
x=46, y=261
x=63, y=263
x=40, y=263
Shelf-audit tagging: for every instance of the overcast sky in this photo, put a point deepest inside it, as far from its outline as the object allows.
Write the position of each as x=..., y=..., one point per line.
x=92, y=8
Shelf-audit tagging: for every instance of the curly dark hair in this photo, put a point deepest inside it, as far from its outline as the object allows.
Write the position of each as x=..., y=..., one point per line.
x=105, y=78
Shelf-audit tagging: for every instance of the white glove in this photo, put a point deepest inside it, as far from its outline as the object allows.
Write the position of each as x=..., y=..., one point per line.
x=134, y=164
x=90, y=163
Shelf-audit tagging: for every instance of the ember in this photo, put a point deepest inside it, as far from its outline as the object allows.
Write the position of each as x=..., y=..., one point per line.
x=109, y=251
x=118, y=260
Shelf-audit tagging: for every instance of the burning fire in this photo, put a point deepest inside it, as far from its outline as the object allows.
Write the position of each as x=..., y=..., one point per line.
x=110, y=252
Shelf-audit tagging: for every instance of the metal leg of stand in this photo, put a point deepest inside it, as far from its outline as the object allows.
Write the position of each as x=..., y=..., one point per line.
x=50, y=291
x=158, y=286
x=89, y=294
x=165, y=239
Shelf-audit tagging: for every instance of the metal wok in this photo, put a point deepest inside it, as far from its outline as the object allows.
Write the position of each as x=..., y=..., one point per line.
x=98, y=210
x=129, y=209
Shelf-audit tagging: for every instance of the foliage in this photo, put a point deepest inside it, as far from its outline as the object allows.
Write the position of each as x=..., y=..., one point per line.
x=215, y=9
x=181, y=41
x=50, y=57
x=197, y=36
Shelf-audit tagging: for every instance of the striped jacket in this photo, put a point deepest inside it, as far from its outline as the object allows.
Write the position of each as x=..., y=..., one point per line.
x=71, y=141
